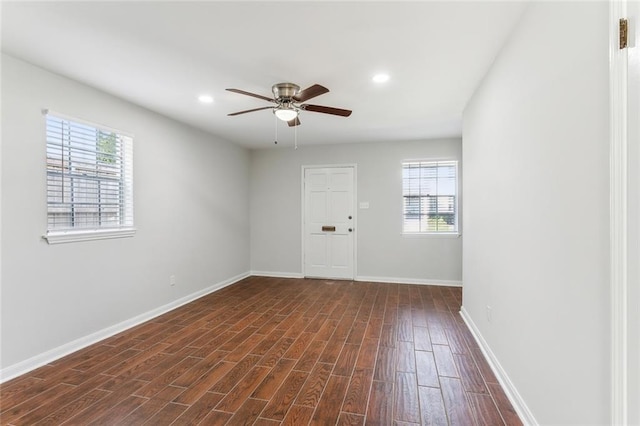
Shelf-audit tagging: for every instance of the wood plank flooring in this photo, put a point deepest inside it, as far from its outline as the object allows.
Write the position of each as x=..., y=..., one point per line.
x=269, y=351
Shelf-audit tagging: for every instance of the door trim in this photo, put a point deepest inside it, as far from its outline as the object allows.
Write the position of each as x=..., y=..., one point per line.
x=618, y=203
x=354, y=166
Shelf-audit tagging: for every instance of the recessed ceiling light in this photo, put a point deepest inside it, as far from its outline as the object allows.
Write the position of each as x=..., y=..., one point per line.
x=205, y=99
x=381, y=78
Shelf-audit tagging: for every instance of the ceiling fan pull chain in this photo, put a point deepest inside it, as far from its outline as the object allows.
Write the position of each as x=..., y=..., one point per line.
x=295, y=137
x=275, y=120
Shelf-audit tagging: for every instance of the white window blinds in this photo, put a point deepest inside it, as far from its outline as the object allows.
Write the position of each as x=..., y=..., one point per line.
x=429, y=191
x=89, y=177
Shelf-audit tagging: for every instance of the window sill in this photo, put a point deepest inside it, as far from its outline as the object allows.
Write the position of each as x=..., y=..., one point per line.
x=431, y=234
x=78, y=236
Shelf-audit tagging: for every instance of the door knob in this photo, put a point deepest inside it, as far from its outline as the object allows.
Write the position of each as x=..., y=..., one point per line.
x=350, y=230
x=349, y=217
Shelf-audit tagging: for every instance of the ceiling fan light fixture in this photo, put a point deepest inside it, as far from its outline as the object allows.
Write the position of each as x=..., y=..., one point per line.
x=285, y=114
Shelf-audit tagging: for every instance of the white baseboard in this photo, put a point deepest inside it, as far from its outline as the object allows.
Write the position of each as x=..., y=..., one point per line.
x=44, y=358
x=273, y=274
x=512, y=393
x=418, y=281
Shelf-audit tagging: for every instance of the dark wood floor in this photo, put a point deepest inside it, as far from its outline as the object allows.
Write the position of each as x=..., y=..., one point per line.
x=268, y=351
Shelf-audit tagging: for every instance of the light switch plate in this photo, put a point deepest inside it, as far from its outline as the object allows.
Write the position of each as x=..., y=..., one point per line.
x=364, y=205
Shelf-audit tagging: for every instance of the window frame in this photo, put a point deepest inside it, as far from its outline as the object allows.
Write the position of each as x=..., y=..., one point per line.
x=431, y=234
x=121, y=230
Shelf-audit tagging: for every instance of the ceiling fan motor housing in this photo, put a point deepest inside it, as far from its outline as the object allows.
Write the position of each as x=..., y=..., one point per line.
x=285, y=90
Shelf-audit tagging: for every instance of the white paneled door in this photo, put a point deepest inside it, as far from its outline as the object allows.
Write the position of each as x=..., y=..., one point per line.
x=329, y=223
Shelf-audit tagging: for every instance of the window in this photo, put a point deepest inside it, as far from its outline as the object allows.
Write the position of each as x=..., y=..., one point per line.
x=429, y=192
x=89, y=181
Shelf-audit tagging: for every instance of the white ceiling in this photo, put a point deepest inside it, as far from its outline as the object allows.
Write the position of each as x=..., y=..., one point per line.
x=162, y=55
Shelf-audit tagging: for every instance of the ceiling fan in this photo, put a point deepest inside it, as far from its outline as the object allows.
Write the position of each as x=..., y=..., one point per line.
x=288, y=99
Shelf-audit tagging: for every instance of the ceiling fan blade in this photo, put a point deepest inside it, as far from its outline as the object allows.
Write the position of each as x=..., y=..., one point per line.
x=326, y=110
x=248, y=110
x=310, y=92
x=242, y=92
x=294, y=122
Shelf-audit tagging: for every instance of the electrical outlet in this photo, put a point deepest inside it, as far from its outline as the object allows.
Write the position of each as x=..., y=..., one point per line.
x=172, y=280
x=489, y=309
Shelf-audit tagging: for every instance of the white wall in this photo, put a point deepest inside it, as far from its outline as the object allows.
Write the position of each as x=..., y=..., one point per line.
x=191, y=212
x=382, y=251
x=535, y=150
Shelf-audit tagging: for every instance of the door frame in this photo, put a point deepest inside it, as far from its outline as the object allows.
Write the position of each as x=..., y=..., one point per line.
x=620, y=233
x=304, y=168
